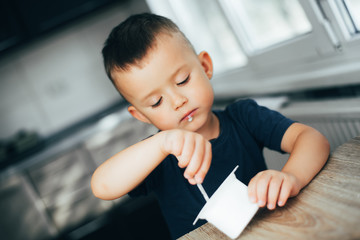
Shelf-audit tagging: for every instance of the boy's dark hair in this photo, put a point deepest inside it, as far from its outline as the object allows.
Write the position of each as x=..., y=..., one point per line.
x=130, y=41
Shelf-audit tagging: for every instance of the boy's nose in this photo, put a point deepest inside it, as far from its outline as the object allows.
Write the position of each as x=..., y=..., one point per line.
x=178, y=101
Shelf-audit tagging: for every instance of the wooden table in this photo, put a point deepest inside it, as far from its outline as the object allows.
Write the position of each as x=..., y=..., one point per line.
x=328, y=208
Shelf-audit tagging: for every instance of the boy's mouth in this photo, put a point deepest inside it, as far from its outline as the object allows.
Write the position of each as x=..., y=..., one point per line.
x=189, y=115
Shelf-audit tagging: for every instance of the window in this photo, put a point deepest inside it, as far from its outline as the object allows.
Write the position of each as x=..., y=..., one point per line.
x=344, y=18
x=262, y=23
x=353, y=7
x=348, y=10
x=272, y=46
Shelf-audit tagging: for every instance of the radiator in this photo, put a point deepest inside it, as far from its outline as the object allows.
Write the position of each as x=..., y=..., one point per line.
x=337, y=131
x=337, y=120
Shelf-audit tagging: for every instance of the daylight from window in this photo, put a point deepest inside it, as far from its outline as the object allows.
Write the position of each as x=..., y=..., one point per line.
x=262, y=23
x=353, y=7
x=204, y=23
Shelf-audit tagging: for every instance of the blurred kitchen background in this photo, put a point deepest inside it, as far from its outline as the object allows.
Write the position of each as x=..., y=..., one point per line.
x=60, y=117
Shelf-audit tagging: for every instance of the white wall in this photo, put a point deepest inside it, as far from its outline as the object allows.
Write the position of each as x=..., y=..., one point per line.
x=59, y=79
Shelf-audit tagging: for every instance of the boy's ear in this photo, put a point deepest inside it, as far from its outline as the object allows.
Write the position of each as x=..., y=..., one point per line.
x=206, y=63
x=138, y=115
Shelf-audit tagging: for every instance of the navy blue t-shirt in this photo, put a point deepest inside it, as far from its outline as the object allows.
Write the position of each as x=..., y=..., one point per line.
x=245, y=128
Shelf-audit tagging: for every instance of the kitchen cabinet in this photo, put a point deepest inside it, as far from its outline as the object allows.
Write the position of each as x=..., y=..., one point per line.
x=63, y=185
x=23, y=215
x=113, y=141
x=48, y=196
x=24, y=20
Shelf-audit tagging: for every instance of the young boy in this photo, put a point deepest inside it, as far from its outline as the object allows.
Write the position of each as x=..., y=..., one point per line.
x=155, y=68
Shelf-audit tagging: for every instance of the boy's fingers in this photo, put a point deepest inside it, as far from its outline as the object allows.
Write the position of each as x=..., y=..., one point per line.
x=187, y=151
x=273, y=192
x=252, y=189
x=262, y=186
x=196, y=158
x=192, y=181
x=284, y=193
x=205, y=165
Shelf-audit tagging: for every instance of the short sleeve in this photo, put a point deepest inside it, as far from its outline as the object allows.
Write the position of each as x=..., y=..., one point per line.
x=265, y=125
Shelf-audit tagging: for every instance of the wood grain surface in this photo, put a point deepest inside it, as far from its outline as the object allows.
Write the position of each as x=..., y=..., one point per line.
x=328, y=208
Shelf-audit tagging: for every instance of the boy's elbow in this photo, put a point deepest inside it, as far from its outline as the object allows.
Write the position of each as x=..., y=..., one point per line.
x=96, y=188
x=324, y=144
x=100, y=190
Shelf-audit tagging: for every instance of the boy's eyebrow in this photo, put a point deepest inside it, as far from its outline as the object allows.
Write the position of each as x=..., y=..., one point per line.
x=171, y=77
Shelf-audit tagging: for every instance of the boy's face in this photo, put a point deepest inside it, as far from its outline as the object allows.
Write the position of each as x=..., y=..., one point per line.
x=170, y=86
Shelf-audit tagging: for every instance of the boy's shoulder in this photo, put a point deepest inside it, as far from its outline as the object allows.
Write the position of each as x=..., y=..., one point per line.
x=249, y=111
x=240, y=111
x=241, y=106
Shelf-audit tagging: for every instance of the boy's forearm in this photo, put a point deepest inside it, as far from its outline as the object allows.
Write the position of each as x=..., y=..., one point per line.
x=128, y=168
x=308, y=155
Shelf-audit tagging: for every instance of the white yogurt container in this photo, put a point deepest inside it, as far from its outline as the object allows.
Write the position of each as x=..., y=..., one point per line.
x=229, y=208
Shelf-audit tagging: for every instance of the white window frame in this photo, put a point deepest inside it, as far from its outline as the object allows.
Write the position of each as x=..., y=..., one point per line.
x=333, y=9
x=325, y=57
x=322, y=58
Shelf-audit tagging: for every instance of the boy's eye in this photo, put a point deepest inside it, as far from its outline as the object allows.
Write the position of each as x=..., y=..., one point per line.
x=185, y=81
x=157, y=103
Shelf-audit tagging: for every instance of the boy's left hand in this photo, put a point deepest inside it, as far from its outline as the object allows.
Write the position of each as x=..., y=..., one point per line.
x=270, y=188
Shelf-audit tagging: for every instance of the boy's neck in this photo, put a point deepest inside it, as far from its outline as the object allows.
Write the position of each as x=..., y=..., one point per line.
x=211, y=130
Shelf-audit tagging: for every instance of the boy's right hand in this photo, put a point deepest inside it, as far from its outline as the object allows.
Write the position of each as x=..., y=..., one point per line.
x=191, y=149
